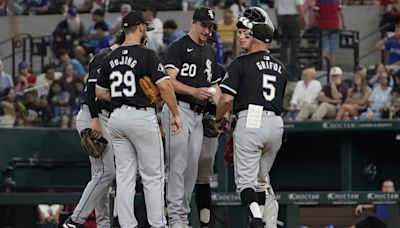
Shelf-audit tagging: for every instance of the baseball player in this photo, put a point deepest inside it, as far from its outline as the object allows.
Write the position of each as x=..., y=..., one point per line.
x=207, y=157
x=190, y=62
x=133, y=126
x=254, y=86
x=94, y=114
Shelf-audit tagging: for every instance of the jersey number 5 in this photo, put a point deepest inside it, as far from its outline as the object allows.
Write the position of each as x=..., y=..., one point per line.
x=269, y=95
x=128, y=81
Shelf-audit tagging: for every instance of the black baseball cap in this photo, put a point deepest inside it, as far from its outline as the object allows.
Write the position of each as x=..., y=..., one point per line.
x=263, y=32
x=204, y=15
x=133, y=18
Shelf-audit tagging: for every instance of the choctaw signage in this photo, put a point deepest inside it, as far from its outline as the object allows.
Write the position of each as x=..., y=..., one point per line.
x=315, y=198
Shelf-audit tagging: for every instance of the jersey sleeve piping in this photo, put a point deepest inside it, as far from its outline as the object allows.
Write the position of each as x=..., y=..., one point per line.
x=228, y=88
x=171, y=66
x=100, y=87
x=215, y=81
x=162, y=79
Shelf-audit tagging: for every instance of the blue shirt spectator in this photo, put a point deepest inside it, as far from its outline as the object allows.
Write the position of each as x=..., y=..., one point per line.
x=37, y=6
x=106, y=42
x=97, y=16
x=105, y=38
x=381, y=212
x=392, y=46
x=65, y=59
x=216, y=41
x=171, y=32
x=77, y=67
x=176, y=35
x=219, y=50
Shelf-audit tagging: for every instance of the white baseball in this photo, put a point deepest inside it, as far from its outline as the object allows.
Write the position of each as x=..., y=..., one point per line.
x=212, y=91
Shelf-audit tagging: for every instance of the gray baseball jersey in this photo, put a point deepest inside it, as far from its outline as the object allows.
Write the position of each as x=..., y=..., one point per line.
x=134, y=131
x=95, y=195
x=197, y=68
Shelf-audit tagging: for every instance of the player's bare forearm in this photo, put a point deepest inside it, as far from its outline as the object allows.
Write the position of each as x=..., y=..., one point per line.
x=224, y=105
x=103, y=94
x=168, y=94
x=179, y=87
x=199, y=93
x=324, y=98
x=335, y=93
x=217, y=95
x=96, y=127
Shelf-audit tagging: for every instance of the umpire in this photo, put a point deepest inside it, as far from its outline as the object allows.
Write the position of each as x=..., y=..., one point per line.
x=254, y=86
x=94, y=114
x=133, y=125
x=190, y=62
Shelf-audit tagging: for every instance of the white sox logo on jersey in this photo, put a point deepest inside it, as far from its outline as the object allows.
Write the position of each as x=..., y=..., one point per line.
x=208, y=70
x=211, y=14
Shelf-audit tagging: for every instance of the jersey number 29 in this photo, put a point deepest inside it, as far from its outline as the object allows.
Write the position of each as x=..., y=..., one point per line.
x=128, y=79
x=269, y=94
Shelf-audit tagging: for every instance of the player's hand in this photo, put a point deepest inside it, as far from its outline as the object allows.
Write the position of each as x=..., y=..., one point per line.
x=359, y=209
x=96, y=128
x=202, y=93
x=176, y=125
x=222, y=125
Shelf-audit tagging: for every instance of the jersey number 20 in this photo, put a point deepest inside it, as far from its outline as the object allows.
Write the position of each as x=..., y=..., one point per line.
x=269, y=94
x=128, y=79
x=189, y=70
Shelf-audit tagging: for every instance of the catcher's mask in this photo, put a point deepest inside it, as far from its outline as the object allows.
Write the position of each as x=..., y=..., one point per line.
x=92, y=146
x=258, y=21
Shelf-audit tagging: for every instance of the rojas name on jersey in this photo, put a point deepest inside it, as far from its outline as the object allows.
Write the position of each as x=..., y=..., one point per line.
x=124, y=60
x=267, y=65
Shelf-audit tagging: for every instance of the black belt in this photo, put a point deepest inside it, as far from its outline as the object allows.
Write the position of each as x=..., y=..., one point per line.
x=103, y=111
x=129, y=107
x=267, y=112
x=195, y=108
x=289, y=15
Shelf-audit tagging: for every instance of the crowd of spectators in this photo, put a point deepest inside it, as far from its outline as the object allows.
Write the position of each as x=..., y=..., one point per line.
x=52, y=98
x=347, y=99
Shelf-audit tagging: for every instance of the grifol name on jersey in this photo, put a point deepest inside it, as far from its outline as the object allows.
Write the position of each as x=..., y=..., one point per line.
x=267, y=65
x=124, y=60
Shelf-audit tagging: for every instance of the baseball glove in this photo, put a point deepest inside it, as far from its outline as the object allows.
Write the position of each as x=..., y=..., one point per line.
x=150, y=90
x=91, y=146
x=208, y=126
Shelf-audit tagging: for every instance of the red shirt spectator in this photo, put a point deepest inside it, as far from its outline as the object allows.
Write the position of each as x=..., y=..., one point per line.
x=329, y=14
